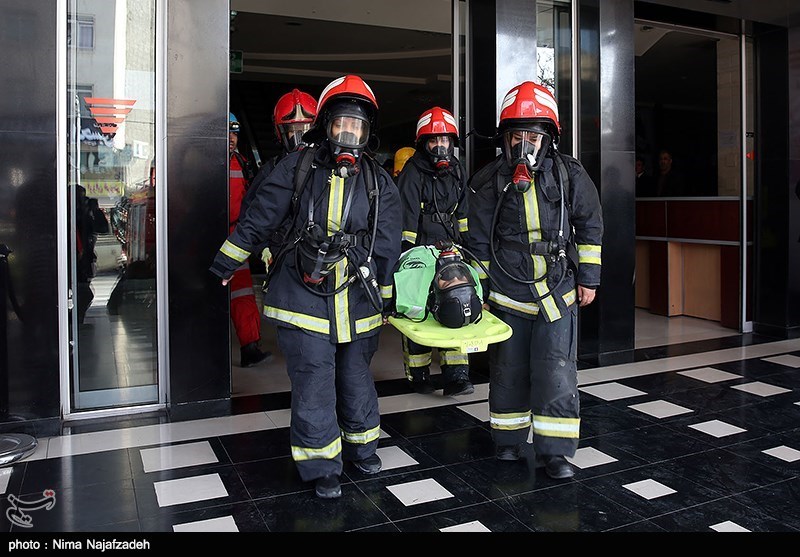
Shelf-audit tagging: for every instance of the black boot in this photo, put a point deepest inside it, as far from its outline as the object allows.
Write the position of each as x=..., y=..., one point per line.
x=456, y=382
x=251, y=354
x=420, y=378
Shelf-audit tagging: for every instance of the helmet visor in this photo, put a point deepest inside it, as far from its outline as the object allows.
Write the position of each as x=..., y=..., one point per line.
x=292, y=134
x=349, y=132
x=439, y=147
x=525, y=146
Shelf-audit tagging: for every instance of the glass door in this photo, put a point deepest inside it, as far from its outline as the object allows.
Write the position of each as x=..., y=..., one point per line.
x=111, y=86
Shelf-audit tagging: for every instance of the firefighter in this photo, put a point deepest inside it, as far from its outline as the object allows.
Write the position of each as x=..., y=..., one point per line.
x=433, y=196
x=401, y=157
x=326, y=286
x=244, y=309
x=292, y=117
x=536, y=231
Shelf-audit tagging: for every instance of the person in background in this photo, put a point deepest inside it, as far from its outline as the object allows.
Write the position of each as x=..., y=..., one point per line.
x=669, y=182
x=536, y=230
x=644, y=182
x=327, y=284
x=433, y=195
x=89, y=221
x=244, y=309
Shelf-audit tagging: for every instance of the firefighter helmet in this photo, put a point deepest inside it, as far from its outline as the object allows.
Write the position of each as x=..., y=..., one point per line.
x=233, y=123
x=293, y=115
x=400, y=157
x=530, y=104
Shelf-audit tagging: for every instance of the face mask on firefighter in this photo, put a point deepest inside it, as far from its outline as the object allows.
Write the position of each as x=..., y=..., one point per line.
x=292, y=134
x=348, y=136
x=440, y=150
x=525, y=150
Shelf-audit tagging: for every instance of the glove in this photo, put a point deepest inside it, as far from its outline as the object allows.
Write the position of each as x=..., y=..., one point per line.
x=266, y=257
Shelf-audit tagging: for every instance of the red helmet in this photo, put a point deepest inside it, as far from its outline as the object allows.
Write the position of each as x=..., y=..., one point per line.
x=436, y=121
x=293, y=115
x=356, y=97
x=529, y=103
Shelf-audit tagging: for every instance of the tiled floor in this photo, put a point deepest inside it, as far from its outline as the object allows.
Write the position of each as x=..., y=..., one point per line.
x=701, y=436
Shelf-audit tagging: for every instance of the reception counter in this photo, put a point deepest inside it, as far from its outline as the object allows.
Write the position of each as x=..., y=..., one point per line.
x=688, y=256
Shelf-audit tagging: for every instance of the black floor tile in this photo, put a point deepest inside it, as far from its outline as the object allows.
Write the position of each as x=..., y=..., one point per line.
x=457, y=446
x=427, y=421
x=606, y=418
x=780, y=500
x=257, y=445
x=271, y=477
x=483, y=517
x=710, y=517
x=653, y=443
x=245, y=516
x=77, y=471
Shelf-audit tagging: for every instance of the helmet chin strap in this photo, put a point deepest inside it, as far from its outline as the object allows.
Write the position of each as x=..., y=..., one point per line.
x=522, y=178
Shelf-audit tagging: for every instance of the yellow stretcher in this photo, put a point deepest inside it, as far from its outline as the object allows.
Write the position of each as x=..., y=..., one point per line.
x=475, y=337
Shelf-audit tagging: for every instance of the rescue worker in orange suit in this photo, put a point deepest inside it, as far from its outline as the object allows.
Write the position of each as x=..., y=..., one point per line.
x=327, y=284
x=292, y=117
x=244, y=309
x=536, y=227
x=433, y=196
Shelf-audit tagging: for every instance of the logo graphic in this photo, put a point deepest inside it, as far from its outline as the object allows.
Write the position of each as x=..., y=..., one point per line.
x=108, y=113
x=17, y=512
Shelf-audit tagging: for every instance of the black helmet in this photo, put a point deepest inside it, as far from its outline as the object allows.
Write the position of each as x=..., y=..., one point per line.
x=455, y=300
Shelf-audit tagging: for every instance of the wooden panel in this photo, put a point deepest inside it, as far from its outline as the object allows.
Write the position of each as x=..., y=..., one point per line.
x=659, y=283
x=675, y=278
x=701, y=281
x=729, y=287
x=651, y=218
x=703, y=220
x=642, y=274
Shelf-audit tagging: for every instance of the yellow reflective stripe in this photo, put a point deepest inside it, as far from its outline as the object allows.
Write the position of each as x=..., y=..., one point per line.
x=548, y=304
x=512, y=421
x=234, y=252
x=453, y=358
x=307, y=322
x=341, y=303
x=569, y=297
x=531, y=308
x=307, y=453
x=567, y=428
x=534, y=229
x=589, y=253
x=362, y=437
x=409, y=236
x=478, y=269
x=417, y=360
x=335, y=203
x=462, y=225
x=368, y=323
x=387, y=291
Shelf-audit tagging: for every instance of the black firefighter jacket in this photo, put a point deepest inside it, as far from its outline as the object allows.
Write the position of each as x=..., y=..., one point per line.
x=342, y=317
x=528, y=218
x=431, y=202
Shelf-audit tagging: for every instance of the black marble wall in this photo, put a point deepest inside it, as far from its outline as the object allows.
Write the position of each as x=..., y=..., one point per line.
x=197, y=191
x=29, y=360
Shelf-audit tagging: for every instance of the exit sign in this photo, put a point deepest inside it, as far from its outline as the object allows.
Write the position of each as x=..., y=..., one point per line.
x=236, y=61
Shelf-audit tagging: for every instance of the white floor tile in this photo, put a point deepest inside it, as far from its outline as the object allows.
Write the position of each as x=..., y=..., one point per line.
x=422, y=491
x=649, y=489
x=474, y=526
x=177, y=456
x=588, y=457
x=760, y=389
x=612, y=391
x=281, y=418
x=709, y=374
x=717, y=428
x=481, y=393
x=413, y=401
x=784, y=453
x=789, y=360
x=188, y=490
x=395, y=457
x=728, y=526
x=478, y=411
x=221, y=524
x=660, y=409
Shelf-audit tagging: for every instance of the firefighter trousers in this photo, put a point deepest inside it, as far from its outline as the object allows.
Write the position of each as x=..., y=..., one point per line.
x=417, y=360
x=335, y=412
x=533, y=381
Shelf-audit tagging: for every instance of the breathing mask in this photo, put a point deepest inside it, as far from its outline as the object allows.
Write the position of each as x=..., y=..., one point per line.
x=525, y=151
x=348, y=132
x=455, y=301
x=440, y=150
